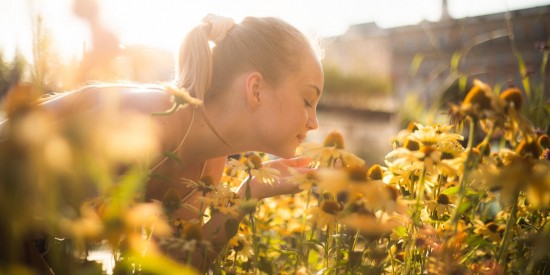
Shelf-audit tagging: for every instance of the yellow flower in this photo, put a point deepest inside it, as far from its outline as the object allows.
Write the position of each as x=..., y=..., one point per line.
x=436, y=135
x=223, y=200
x=538, y=190
x=349, y=181
x=480, y=103
x=331, y=154
x=204, y=185
x=305, y=180
x=405, y=166
x=326, y=214
x=441, y=206
x=398, y=174
x=513, y=98
x=253, y=165
x=489, y=230
x=371, y=225
x=240, y=245
x=332, y=180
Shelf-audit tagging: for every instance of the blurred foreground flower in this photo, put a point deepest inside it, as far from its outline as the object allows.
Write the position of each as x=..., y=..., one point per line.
x=331, y=154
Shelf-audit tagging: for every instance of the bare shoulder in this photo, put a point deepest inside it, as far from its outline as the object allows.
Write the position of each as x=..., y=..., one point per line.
x=139, y=98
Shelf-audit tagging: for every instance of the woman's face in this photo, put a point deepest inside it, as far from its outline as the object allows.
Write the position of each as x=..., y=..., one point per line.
x=291, y=109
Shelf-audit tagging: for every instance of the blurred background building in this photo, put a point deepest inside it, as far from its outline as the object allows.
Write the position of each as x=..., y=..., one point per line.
x=419, y=66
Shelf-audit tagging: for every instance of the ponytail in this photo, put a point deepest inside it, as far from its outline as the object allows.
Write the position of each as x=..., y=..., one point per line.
x=194, y=71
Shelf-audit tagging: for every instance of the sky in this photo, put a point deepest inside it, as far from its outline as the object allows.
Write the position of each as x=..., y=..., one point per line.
x=164, y=23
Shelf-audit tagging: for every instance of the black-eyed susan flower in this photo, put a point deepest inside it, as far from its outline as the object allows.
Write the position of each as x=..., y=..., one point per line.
x=332, y=153
x=223, y=200
x=253, y=164
x=241, y=246
x=372, y=226
x=326, y=214
x=436, y=135
x=204, y=185
x=171, y=202
x=305, y=180
x=489, y=230
x=479, y=103
x=440, y=207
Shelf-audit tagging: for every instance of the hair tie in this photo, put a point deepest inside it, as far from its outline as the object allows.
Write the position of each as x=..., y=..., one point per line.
x=219, y=26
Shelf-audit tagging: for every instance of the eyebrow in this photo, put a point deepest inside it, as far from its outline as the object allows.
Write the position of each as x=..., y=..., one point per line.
x=316, y=89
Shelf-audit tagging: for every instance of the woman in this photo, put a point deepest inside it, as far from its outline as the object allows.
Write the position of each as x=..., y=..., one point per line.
x=259, y=81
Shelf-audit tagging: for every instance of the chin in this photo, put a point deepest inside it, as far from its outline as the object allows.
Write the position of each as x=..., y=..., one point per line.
x=286, y=153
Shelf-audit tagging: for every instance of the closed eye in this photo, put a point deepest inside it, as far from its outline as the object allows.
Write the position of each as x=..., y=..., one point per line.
x=308, y=105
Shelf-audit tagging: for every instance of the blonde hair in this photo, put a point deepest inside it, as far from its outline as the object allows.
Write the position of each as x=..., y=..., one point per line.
x=267, y=45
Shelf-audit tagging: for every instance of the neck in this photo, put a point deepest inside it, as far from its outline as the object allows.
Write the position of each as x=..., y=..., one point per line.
x=202, y=142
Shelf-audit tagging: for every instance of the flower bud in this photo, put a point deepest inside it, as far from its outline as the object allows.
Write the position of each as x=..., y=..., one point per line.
x=192, y=231
x=334, y=139
x=331, y=207
x=512, y=96
x=476, y=96
x=375, y=172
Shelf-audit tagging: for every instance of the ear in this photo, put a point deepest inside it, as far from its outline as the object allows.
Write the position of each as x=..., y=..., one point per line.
x=254, y=85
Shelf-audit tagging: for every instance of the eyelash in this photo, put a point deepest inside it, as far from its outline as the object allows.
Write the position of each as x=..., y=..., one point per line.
x=308, y=105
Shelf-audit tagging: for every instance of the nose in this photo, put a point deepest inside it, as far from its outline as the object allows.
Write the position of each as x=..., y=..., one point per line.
x=312, y=122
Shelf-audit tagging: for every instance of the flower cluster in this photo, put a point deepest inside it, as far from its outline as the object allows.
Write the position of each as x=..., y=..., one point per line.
x=442, y=202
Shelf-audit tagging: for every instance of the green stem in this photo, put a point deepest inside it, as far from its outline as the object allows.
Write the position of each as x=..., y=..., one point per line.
x=327, y=245
x=391, y=260
x=313, y=229
x=465, y=176
x=471, y=162
x=419, y=197
x=302, y=234
x=472, y=132
x=415, y=221
x=509, y=225
x=248, y=196
x=201, y=215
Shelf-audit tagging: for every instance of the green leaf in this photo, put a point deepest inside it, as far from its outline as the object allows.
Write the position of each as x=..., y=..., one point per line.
x=464, y=206
x=315, y=243
x=524, y=76
x=455, y=61
x=401, y=231
x=173, y=156
x=415, y=63
x=158, y=264
x=451, y=190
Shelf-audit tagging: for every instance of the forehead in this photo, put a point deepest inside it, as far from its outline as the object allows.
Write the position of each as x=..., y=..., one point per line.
x=310, y=72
